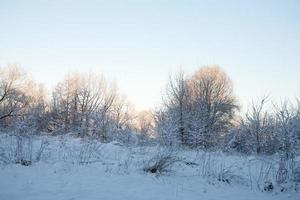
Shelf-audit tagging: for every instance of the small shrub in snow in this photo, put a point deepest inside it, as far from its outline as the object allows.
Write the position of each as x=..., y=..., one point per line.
x=160, y=163
x=225, y=176
x=24, y=162
x=89, y=152
x=268, y=186
x=21, y=149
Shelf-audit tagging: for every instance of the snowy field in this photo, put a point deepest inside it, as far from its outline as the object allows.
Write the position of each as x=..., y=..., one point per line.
x=68, y=168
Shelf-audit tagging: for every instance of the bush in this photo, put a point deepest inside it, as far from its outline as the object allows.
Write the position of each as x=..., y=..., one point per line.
x=20, y=149
x=161, y=163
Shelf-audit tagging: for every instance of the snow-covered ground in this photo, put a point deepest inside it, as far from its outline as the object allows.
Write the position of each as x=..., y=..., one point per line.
x=72, y=168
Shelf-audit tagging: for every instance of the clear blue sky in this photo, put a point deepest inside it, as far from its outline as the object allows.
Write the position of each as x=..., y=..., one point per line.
x=139, y=43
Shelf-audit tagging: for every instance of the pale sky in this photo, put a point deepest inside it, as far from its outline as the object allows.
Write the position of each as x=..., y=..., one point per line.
x=139, y=43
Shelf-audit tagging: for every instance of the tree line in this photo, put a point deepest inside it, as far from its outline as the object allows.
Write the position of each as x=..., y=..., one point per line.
x=198, y=111
x=85, y=104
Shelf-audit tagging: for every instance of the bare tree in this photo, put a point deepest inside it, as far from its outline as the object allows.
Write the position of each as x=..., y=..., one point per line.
x=122, y=112
x=259, y=124
x=178, y=98
x=89, y=105
x=12, y=99
x=144, y=124
x=288, y=128
x=64, y=106
x=213, y=102
x=200, y=108
x=175, y=112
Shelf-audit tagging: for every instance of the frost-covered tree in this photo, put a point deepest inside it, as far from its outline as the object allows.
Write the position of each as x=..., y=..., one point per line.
x=176, y=105
x=263, y=131
x=198, y=109
x=213, y=104
x=89, y=105
x=12, y=99
x=166, y=128
x=288, y=129
x=258, y=126
x=144, y=125
x=36, y=115
x=23, y=105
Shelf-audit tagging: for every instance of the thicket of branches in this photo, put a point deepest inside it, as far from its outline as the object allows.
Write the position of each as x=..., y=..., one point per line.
x=84, y=104
x=199, y=111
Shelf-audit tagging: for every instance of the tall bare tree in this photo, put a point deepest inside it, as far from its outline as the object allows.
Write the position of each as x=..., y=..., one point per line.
x=213, y=102
x=90, y=105
x=259, y=125
x=200, y=107
x=12, y=99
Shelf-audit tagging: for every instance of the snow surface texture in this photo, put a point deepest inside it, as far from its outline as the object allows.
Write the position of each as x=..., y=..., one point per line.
x=71, y=168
